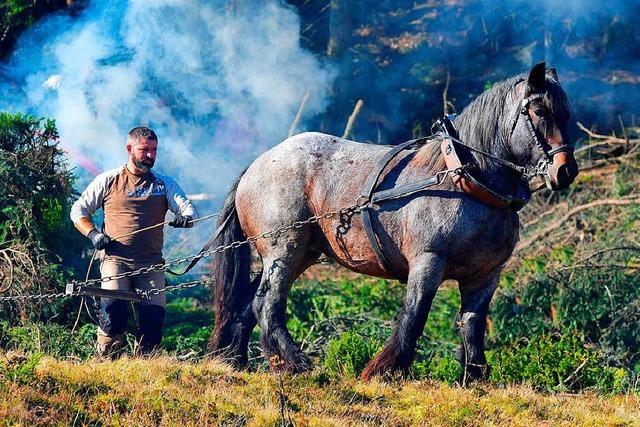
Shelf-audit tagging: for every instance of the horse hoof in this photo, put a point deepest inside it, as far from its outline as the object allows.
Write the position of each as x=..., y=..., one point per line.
x=293, y=363
x=475, y=373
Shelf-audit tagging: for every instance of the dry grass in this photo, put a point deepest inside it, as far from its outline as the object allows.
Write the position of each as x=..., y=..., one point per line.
x=163, y=391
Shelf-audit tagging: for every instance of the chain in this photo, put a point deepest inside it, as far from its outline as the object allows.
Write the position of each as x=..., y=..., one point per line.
x=186, y=285
x=33, y=297
x=223, y=248
x=220, y=249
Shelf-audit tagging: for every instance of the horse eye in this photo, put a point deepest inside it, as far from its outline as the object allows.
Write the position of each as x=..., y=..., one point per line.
x=540, y=112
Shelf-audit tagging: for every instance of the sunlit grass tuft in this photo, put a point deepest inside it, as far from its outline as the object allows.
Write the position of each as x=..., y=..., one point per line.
x=164, y=391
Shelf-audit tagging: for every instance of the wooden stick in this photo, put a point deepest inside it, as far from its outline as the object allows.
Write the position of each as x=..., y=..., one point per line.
x=548, y=229
x=296, y=120
x=445, y=91
x=352, y=118
x=598, y=136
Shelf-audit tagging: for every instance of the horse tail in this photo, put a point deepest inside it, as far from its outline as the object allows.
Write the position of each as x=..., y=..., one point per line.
x=233, y=290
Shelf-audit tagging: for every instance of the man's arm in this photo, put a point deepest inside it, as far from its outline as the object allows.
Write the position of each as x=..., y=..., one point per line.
x=180, y=205
x=84, y=225
x=90, y=201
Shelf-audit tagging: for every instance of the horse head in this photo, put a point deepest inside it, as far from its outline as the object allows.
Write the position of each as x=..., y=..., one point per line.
x=539, y=135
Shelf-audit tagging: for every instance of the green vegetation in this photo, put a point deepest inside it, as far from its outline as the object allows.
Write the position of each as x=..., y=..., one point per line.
x=18, y=15
x=349, y=354
x=565, y=319
x=39, y=248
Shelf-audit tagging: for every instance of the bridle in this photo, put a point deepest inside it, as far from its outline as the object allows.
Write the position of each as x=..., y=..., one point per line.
x=543, y=168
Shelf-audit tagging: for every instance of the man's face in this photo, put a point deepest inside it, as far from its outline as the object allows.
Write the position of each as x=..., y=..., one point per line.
x=143, y=153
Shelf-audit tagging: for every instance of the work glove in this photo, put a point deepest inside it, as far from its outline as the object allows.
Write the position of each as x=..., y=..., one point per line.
x=99, y=240
x=180, y=221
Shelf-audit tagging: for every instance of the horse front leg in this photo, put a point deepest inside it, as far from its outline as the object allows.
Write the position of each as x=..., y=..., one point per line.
x=425, y=276
x=270, y=307
x=472, y=324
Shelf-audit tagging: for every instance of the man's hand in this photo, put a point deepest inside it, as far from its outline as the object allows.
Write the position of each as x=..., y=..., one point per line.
x=180, y=221
x=99, y=240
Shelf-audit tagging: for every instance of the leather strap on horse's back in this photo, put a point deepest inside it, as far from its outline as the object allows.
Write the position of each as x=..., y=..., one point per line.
x=366, y=194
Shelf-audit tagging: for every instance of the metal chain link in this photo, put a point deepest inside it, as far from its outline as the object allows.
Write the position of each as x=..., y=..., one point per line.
x=33, y=297
x=185, y=285
x=223, y=248
x=220, y=249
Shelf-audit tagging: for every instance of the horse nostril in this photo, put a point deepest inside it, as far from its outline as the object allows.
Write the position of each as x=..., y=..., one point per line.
x=564, y=177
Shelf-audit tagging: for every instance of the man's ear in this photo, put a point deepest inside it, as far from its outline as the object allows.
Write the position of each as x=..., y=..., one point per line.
x=129, y=148
x=536, y=78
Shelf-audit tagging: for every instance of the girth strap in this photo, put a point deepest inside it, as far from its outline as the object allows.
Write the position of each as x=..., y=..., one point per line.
x=367, y=195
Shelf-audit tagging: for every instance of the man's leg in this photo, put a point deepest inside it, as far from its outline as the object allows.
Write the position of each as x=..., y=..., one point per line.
x=151, y=312
x=113, y=312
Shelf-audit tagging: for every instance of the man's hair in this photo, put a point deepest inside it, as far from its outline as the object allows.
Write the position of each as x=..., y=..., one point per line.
x=139, y=132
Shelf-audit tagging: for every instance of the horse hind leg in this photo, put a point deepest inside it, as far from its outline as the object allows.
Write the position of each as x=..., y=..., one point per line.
x=471, y=322
x=281, y=267
x=425, y=276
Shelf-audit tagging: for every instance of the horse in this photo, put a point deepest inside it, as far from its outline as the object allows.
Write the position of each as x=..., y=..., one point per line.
x=445, y=232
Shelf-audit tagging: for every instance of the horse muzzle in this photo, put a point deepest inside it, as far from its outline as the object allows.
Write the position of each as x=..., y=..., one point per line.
x=561, y=170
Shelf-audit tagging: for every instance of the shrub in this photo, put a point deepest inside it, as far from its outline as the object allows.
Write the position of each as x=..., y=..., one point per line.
x=52, y=339
x=555, y=363
x=38, y=243
x=187, y=328
x=19, y=368
x=349, y=354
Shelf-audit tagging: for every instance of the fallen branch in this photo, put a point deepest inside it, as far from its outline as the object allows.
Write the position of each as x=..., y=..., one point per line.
x=548, y=229
x=352, y=118
x=592, y=134
x=578, y=369
x=601, y=266
x=602, y=251
x=604, y=140
x=296, y=120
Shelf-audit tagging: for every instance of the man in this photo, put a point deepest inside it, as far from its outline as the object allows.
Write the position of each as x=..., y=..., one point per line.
x=132, y=198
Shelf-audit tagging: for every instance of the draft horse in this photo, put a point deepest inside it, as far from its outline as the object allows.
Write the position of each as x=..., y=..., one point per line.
x=463, y=229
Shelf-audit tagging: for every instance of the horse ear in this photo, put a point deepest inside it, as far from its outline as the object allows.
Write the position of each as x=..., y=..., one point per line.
x=551, y=72
x=536, y=78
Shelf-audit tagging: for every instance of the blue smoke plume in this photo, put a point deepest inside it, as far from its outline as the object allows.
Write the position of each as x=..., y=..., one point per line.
x=219, y=81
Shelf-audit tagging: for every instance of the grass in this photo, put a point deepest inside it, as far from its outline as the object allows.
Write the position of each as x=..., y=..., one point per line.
x=163, y=391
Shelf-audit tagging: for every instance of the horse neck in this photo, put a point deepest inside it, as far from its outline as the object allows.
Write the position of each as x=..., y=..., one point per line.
x=488, y=136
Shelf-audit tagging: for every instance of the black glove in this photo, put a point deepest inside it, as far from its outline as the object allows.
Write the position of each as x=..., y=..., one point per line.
x=180, y=221
x=99, y=240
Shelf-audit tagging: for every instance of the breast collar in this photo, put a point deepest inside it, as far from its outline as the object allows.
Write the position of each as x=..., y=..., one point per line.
x=465, y=164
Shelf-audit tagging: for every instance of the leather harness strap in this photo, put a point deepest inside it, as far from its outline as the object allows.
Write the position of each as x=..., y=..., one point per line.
x=461, y=178
x=366, y=196
x=464, y=180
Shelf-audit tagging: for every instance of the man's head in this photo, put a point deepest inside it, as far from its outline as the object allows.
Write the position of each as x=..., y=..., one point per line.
x=142, y=147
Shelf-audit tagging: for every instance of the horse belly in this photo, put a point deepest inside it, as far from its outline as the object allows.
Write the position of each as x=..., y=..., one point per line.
x=346, y=242
x=485, y=247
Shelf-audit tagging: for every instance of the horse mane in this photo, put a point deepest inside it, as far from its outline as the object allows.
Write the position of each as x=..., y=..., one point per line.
x=480, y=122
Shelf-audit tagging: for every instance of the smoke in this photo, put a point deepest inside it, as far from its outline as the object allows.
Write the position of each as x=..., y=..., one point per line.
x=219, y=81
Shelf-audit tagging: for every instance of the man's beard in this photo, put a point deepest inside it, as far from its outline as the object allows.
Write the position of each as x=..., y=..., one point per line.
x=144, y=165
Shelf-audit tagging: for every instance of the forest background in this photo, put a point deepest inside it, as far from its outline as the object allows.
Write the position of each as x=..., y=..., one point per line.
x=566, y=317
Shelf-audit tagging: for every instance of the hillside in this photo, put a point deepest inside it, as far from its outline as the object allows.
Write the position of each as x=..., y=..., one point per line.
x=563, y=338
x=164, y=391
